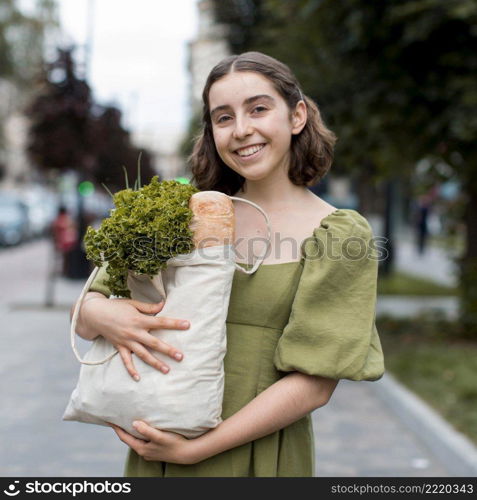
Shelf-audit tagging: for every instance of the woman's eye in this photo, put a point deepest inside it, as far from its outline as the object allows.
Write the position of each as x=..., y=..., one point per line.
x=223, y=118
x=258, y=109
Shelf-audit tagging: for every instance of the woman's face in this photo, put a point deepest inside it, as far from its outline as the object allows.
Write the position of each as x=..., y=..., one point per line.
x=252, y=126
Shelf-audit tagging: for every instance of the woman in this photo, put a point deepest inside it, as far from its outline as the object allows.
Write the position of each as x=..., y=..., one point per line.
x=296, y=326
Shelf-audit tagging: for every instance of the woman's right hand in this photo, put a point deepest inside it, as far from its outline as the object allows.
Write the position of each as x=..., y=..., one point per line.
x=126, y=323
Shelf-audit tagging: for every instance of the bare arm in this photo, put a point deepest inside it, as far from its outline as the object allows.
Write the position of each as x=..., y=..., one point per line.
x=82, y=332
x=281, y=404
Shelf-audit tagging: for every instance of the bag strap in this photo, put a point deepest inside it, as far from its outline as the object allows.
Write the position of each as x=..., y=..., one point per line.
x=74, y=320
x=260, y=259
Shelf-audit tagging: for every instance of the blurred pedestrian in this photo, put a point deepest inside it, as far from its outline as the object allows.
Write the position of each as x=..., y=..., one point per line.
x=65, y=235
x=423, y=210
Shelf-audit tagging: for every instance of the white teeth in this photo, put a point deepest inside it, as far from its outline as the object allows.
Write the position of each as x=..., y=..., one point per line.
x=251, y=150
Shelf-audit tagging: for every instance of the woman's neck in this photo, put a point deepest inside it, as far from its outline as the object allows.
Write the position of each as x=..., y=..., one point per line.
x=272, y=195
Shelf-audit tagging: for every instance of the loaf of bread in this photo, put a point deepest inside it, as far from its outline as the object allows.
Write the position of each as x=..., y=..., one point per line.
x=213, y=222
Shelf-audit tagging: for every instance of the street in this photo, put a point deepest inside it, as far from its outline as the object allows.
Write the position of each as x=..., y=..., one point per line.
x=356, y=434
x=38, y=371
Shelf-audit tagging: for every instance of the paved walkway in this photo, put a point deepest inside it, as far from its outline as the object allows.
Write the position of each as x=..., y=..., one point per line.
x=403, y=307
x=359, y=433
x=436, y=265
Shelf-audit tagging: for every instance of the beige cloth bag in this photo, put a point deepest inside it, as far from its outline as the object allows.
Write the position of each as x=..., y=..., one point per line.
x=188, y=400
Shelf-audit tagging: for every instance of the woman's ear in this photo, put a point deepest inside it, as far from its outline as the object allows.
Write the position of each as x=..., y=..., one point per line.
x=299, y=117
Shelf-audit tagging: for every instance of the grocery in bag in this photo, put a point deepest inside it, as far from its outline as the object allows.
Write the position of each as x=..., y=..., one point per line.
x=196, y=286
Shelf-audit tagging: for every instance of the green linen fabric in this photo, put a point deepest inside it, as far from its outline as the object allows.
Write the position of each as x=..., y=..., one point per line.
x=98, y=284
x=333, y=312
x=315, y=316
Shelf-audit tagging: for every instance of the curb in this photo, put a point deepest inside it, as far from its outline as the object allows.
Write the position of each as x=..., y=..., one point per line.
x=451, y=447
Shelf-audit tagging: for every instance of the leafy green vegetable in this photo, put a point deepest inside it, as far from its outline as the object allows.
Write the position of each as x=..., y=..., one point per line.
x=147, y=227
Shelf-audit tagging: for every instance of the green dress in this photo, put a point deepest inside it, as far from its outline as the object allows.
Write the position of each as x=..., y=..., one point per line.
x=315, y=316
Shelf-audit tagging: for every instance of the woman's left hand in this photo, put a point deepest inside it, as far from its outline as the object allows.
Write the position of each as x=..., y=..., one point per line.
x=159, y=445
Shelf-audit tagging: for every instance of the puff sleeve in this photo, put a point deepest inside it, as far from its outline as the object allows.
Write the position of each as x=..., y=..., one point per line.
x=331, y=331
x=98, y=284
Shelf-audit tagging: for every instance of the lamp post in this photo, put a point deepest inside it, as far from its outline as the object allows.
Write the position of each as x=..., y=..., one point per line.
x=389, y=193
x=89, y=38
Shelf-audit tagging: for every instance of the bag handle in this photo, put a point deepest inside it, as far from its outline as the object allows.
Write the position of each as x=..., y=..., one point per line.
x=74, y=320
x=259, y=261
x=85, y=290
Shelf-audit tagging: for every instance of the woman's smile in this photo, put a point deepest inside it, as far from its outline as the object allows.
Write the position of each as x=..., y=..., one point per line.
x=249, y=153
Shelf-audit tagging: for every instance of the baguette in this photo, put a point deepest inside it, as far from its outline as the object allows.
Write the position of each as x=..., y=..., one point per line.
x=213, y=222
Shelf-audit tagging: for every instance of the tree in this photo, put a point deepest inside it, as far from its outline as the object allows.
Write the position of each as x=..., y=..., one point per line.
x=60, y=117
x=395, y=79
x=68, y=132
x=21, y=39
x=113, y=148
x=22, y=36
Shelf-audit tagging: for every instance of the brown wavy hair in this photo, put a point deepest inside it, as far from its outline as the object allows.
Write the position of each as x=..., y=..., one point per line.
x=311, y=150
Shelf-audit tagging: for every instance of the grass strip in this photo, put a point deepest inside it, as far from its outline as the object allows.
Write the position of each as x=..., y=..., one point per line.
x=399, y=283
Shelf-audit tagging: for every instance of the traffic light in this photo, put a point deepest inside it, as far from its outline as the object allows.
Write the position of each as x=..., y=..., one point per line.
x=86, y=188
x=182, y=180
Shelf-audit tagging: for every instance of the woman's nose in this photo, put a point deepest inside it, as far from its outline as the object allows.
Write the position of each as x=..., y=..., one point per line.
x=242, y=128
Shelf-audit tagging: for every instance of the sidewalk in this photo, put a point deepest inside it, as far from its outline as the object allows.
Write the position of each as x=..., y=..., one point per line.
x=382, y=429
x=367, y=429
x=38, y=372
x=435, y=265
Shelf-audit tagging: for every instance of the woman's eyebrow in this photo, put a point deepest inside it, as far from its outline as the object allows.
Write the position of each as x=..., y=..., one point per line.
x=249, y=100
x=267, y=97
x=219, y=108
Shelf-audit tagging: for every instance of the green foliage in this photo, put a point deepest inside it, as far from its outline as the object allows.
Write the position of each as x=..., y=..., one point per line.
x=427, y=326
x=394, y=79
x=147, y=227
x=241, y=18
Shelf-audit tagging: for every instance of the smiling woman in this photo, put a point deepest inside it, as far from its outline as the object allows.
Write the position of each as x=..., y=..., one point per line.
x=295, y=327
x=252, y=130
x=246, y=106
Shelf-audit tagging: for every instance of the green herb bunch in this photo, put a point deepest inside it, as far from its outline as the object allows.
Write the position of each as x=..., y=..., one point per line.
x=148, y=226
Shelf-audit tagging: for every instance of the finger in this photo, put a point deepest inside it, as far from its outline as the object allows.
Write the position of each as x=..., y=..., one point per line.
x=142, y=353
x=146, y=307
x=159, y=322
x=160, y=346
x=126, y=356
x=149, y=433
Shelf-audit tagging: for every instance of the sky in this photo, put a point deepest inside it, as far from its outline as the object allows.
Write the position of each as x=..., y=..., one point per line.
x=138, y=60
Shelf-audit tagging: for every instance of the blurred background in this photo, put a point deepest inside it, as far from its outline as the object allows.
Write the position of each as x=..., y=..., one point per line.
x=89, y=86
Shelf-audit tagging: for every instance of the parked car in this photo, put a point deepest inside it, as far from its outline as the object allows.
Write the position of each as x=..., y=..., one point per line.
x=14, y=224
x=42, y=209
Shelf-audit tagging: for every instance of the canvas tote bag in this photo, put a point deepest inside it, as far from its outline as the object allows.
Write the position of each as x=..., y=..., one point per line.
x=188, y=400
